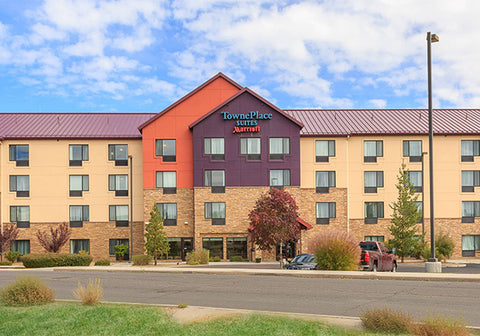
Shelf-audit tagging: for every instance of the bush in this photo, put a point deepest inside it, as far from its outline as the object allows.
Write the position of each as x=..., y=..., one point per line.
x=12, y=256
x=141, y=259
x=441, y=326
x=102, y=262
x=55, y=259
x=5, y=263
x=91, y=294
x=214, y=259
x=197, y=257
x=444, y=246
x=26, y=290
x=236, y=258
x=426, y=253
x=387, y=320
x=120, y=250
x=336, y=250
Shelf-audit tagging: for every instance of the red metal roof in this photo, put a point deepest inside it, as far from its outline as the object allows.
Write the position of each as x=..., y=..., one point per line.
x=71, y=125
x=386, y=122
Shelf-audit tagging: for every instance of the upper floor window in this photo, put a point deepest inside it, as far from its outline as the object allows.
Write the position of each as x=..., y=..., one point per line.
x=413, y=150
x=419, y=205
x=215, y=147
x=416, y=178
x=324, y=149
x=216, y=212
x=78, y=215
x=20, y=184
x=470, y=148
x=20, y=215
x=325, y=211
x=373, y=180
x=373, y=211
x=470, y=210
x=250, y=147
x=324, y=180
x=78, y=184
x=77, y=154
x=216, y=180
x=279, y=147
x=372, y=149
x=168, y=181
x=119, y=184
x=279, y=177
x=166, y=148
x=119, y=154
x=119, y=215
x=168, y=212
x=470, y=180
x=19, y=154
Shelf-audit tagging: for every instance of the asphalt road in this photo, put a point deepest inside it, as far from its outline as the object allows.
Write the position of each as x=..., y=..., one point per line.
x=342, y=297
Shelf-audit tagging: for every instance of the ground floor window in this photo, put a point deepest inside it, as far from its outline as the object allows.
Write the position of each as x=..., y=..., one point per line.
x=375, y=238
x=470, y=244
x=214, y=245
x=179, y=247
x=115, y=242
x=22, y=246
x=288, y=250
x=237, y=246
x=77, y=245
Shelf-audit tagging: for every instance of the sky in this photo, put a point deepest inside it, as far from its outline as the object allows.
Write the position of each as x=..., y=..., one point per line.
x=143, y=55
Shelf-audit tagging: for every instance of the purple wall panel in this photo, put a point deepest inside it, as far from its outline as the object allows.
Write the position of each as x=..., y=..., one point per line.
x=238, y=170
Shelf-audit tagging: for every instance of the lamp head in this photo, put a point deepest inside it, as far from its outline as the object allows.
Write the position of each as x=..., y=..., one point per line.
x=434, y=38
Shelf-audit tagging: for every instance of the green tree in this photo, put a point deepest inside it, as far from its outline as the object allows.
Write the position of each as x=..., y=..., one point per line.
x=405, y=216
x=156, y=241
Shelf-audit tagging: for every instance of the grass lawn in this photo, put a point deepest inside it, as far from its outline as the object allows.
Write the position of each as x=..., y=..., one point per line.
x=76, y=319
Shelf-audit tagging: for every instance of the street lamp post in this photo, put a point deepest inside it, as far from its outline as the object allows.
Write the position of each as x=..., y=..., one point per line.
x=131, y=207
x=423, y=193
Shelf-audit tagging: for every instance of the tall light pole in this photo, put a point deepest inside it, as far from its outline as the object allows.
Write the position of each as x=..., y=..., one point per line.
x=431, y=38
x=423, y=194
x=131, y=207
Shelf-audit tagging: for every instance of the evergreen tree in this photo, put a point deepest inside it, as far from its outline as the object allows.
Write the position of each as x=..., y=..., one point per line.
x=405, y=216
x=156, y=241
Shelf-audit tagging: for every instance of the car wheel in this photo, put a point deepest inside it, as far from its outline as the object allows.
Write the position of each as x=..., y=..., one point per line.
x=374, y=267
x=394, y=267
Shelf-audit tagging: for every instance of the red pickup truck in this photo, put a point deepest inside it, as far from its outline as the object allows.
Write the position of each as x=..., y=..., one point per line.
x=376, y=257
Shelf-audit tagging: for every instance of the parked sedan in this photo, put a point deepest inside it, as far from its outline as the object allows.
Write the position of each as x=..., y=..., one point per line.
x=302, y=262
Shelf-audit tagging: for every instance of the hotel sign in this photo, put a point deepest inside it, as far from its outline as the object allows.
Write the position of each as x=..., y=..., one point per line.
x=246, y=122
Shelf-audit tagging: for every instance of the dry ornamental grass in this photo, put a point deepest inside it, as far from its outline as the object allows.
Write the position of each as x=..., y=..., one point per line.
x=27, y=290
x=90, y=294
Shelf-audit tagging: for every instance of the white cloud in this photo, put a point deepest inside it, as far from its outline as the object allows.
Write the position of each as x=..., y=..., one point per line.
x=378, y=103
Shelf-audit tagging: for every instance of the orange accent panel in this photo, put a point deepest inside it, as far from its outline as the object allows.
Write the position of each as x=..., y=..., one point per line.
x=174, y=125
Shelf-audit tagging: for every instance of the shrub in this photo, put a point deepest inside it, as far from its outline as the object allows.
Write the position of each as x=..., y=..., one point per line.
x=12, y=256
x=197, y=257
x=102, y=262
x=387, y=320
x=141, y=259
x=5, y=263
x=426, y=253
x=214, y=259
x=91, y=294
x=55, y=260
x=336, y=250
x=441, y=326
x=120, y=250
x=236, y=258
x=83, y=253
x=444, y=246
x=26, y=290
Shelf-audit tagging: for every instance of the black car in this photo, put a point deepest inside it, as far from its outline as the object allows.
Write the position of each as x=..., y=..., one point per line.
x=302, y=262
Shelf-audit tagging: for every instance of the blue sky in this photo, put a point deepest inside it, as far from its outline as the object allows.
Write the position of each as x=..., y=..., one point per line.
x=142, y=55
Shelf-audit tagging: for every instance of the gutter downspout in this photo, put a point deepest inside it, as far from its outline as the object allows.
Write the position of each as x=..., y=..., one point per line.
x=348, y=187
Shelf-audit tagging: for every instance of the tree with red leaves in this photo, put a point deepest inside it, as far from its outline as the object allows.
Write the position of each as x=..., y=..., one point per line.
x=7, y=237
x=274, y=220
x=54, y=240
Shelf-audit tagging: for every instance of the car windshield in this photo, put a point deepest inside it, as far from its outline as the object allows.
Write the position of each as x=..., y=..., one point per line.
x=303, y=258
x=369, y=246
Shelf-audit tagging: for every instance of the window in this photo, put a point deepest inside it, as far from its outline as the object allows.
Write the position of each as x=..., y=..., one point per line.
x=20, y=215
x=214, y=245
x=373, y=180
x=119, y=215
x=168, y=212
x=216, y=212
x=216, y=180
x=215, y=147
x=470, y=244
x=77, y=154
x=325, y=211
x=324, y=180
x=114, y=242
x=119, y=154
x=470, y=148
x=168, y=181
x=22, y=246
x=19, y=154
x=373, y=211
x=119, y=184
x=419, y=205
x=251, y=148
x=166, y=149
x=77, y=245
x=324, y=149
x=413, y=150
x=375, y=238
x=279, y=147
x=372, y=150
x=416, y=179
x=470, y=180
x=470, y=210
x=20, y=184
x=78, y=184
x=279, y=177
x=237, y=247
x=78, y=215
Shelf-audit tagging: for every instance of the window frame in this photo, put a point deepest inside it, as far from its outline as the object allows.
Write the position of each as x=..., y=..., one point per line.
x=331, y=181
x=286, y=178
x=168, y=221
x=475, y=179
x=14, y=153
x=475, y=150
x=285, y=144
x=208, y=212
x=73, y=162
x=14, y=214
x=213, y=252
x=74, y=241
x=208, y=180
x=207, y=148
x=13, y=187
x=166, y=190
x=112, y=215
x=244, y=148
x=331, y=209
x=407, y=151
x=378, y=148
x=112, y=242
x=417, y=188
x=159, y=151
x=112, y=154
x=476, y=211
x=112, y=179
x=379, y=179
x=85, y=185
x=378, y=206
x=85, y=215
x=330, y=149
